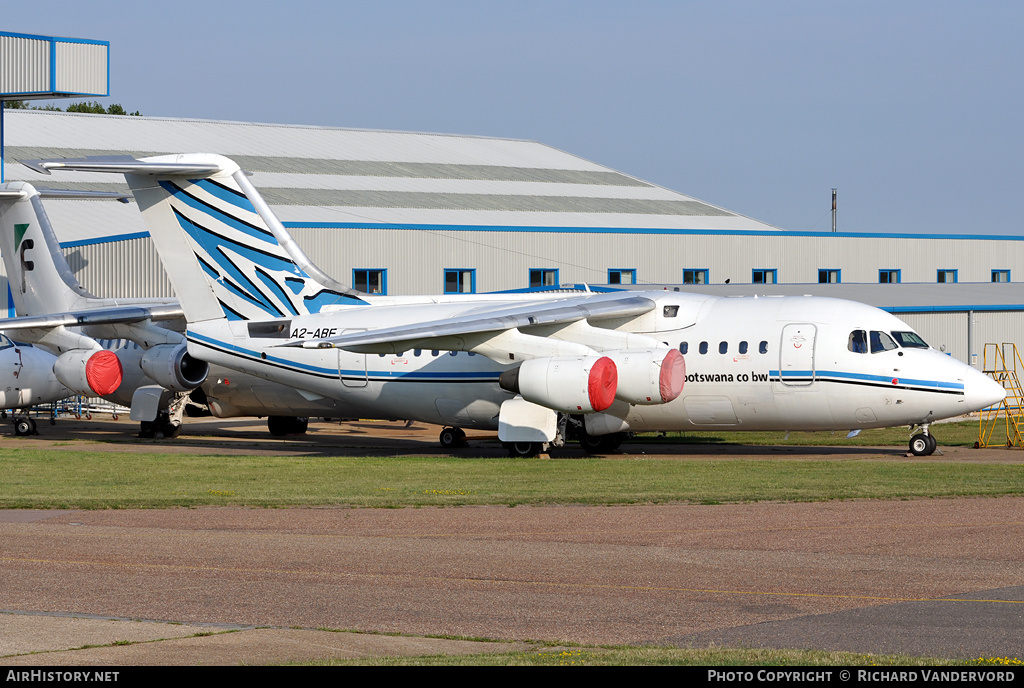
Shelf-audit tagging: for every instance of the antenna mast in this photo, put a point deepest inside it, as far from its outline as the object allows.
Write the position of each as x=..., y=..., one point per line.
x=833, y=209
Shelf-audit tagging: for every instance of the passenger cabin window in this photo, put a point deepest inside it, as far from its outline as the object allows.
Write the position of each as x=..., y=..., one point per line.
x=858, y=342
x=684, y=347
x=880, y=341
x=909, y=340
x=703, y=347
x=743, y=347
x=723, y=347
x=763, y=347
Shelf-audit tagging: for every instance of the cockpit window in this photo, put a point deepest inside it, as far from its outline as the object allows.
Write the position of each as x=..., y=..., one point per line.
x=5, y=342
x=880, y=341
x=909, y=340
x=858, y=343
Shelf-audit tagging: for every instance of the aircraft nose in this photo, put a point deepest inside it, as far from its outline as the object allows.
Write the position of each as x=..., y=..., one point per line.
x=981, y=391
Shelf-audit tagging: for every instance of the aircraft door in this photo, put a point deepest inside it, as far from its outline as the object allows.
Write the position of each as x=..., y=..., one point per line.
x=352, y=366
x=796, y=355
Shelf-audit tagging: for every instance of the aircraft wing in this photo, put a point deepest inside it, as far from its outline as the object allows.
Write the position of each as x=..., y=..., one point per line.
x=460, y=332
x=98, y=316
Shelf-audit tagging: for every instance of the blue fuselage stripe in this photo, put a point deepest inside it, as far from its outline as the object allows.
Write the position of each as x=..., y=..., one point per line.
x=837, y=375
x=415, y=376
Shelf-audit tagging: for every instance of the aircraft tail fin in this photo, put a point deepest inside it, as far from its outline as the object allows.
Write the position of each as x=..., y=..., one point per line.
x=39, y=277
x=226, y=253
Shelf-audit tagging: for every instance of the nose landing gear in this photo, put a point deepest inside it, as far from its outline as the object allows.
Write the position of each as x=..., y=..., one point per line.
x=923, y=443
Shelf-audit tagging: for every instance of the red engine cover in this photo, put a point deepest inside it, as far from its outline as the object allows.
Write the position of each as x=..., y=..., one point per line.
x=673, y=375
x=604, y=380
x=103, y=372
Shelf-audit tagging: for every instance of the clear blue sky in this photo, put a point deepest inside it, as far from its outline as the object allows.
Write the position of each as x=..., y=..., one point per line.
x=912, y=109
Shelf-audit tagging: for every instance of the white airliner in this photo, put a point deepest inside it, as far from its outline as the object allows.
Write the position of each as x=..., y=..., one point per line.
x=539, y=368
x=26, y=379
x=145, y=335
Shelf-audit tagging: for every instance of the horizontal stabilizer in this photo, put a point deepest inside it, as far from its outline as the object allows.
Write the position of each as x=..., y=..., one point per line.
x=83, y=195
x=102, y=316
x=123, y=164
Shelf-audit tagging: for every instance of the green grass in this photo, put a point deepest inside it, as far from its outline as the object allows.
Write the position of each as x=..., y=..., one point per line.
x=963, y=434
x=32, y=478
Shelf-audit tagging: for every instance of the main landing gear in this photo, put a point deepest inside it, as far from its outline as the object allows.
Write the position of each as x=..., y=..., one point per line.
x=164, y=427
x=602, y=444
x=452, y=438
x=280, y=426
x=167, y=424
x=569, y=428
x=923, y=443
x=24, y=426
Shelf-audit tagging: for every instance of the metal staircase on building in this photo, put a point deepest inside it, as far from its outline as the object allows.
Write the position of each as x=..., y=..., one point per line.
x=1002, y=362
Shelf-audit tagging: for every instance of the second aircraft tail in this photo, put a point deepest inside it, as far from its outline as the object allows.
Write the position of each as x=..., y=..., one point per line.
x=39, y=277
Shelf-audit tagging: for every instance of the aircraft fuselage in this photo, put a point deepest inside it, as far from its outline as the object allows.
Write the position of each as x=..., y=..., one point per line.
x=789, y=363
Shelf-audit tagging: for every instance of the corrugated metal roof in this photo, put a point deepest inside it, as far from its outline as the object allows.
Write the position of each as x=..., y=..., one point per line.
x=917, y=296
x=363, y=168
x=324, y=174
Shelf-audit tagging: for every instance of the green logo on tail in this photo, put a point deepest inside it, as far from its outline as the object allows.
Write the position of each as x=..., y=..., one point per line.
x=19, y=234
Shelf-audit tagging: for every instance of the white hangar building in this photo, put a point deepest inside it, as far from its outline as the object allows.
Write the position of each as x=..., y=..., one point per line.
x=415, y=213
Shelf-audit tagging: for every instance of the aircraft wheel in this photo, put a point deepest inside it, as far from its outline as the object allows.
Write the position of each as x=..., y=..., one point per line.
x=450, y=439
x=171, y=429
x=147, y=429
x=279, y=426
x=615, y=440
x=523, y=450
x=922, y=445
x=592, y=444
x=23, y=426
x=933, y=442
x=602, y=444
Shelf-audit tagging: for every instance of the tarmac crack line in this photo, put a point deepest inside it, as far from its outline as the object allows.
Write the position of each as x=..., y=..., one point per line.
x=508, y=581
x=534, y=533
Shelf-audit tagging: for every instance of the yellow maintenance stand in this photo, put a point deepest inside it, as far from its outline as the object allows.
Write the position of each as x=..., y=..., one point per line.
x=1003, y=363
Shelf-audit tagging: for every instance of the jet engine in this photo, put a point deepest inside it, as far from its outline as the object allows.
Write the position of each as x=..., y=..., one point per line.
x=649, y=376
x=92, y=373
x=171, y=367
x=572, y=385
